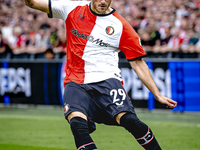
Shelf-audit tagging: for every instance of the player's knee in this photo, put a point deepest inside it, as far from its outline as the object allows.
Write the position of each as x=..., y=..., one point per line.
x=139, y=130
x=80, y=130
x=130, y=121
x=79, y=127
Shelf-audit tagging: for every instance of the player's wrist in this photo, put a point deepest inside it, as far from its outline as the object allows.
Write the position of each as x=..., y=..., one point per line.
x=158, y=96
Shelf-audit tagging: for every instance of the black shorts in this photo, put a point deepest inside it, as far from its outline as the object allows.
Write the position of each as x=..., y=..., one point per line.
x=100, y=101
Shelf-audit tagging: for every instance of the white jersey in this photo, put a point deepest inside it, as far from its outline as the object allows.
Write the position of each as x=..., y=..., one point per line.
x=93, y=41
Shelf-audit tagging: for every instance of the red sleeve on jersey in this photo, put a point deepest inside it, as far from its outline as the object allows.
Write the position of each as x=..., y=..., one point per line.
x=129, y=41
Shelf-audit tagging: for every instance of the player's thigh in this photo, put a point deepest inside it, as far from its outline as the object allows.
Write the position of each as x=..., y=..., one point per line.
x=75, y=101
x=113, y=100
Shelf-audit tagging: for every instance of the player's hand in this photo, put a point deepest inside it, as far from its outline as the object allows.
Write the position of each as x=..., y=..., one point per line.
x=167, y=101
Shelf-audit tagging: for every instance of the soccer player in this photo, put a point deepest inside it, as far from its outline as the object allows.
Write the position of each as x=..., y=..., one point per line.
x=93, y=85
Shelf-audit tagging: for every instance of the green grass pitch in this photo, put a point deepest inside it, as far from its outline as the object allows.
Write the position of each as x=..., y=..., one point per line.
x=44, y=128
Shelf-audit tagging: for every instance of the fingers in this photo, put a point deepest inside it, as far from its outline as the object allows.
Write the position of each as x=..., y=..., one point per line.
x=171, y=107
x=167, y=101
x=171, y=104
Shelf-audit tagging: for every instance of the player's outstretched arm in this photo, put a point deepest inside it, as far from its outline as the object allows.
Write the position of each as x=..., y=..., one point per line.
x=38, y=4
x=142, y=70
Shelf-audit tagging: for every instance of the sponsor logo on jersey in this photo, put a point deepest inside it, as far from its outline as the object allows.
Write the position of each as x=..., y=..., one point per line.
x=89, y=38
x=110, y=30
x=81, y=17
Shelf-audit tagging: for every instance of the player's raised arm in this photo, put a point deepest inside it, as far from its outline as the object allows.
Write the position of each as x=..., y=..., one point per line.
x=38, y=4
x=142, y=70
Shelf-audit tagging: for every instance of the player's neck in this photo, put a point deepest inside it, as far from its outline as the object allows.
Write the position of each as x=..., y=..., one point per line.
x=109, y=10
x=96, y=11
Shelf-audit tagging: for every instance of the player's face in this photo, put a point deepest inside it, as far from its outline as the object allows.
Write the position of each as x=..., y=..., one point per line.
x=101, y=6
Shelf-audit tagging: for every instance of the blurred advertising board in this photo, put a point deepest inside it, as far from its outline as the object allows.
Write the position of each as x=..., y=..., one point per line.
x=42, y=83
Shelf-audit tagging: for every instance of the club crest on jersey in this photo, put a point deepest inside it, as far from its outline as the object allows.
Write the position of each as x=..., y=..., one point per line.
x=66, y=108
x=110, y=30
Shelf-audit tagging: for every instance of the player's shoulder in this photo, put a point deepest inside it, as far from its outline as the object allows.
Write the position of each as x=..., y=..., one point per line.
x=126, y=26
x=128, y=29
x=121, y=19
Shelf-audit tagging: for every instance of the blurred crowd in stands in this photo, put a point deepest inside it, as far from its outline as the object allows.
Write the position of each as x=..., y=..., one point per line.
x=167, y=29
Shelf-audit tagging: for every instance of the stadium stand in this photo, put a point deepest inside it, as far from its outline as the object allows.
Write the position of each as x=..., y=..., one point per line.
x=167, y=28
